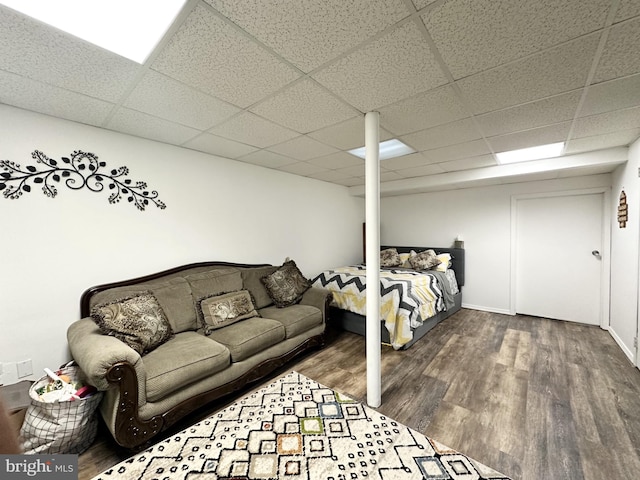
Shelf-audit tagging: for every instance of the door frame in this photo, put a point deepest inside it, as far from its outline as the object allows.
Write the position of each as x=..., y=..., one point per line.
x=605, y=264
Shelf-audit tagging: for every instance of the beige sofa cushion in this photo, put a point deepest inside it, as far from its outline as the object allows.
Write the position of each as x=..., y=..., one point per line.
x=184, y=359
x=249, y=336
x=251, y=278
x=214, y=281
x=295, y=319
x=174, y=296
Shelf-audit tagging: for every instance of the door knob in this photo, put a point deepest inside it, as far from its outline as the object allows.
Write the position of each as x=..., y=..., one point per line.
x=596, y=253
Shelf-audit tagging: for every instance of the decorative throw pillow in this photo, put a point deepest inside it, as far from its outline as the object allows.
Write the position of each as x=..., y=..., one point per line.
x=390, y=258
x=138, y=321
x=286, y=285
x=445, y=262
x=218, y=311
x=425, y=260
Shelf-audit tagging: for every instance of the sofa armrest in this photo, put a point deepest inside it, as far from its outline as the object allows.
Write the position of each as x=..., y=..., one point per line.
x=318, y=297
x=95, y=353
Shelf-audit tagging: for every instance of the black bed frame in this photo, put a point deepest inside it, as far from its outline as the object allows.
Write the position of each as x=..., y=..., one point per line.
x=352, y=322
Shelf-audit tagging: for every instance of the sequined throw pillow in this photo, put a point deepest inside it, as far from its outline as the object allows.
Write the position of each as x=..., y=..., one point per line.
x=138, y=321
x=219, y=311
x=286, y=285
x=424, y=260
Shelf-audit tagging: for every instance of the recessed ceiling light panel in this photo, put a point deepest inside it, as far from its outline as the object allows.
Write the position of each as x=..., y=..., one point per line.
x=532, y=153
x=129, y=28
x=388, y=149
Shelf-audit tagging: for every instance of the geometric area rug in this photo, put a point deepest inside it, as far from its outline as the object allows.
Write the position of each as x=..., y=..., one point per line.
x=295, y=428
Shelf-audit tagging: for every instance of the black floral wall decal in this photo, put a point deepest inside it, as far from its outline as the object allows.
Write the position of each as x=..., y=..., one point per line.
x=81, y=169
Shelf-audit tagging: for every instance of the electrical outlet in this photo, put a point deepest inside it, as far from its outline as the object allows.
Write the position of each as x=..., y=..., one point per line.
x=24, y=368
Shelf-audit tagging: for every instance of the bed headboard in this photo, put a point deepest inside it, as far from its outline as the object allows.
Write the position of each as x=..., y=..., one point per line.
x=457, y=257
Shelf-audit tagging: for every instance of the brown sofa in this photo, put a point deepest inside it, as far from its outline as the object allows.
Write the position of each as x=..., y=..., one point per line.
x=145, y=394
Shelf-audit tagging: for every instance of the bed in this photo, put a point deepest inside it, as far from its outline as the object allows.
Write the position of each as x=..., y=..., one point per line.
x=412, y=302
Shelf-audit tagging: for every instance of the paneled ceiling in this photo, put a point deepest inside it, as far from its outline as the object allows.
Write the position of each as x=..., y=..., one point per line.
x=284, y=84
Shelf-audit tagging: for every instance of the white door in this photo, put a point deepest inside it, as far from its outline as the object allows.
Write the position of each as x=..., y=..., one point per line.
x=558, y=269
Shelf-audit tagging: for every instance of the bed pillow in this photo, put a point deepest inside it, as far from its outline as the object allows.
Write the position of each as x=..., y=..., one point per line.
x=390, y=258
x=445, y=262
x=404, y=258
x=286, y=285
x=217, y=311
x=138, y=321
x=425, y=260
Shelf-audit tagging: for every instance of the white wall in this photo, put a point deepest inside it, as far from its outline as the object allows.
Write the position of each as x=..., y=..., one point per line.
x=624, y=255
x=483, y=217
x=52, y=249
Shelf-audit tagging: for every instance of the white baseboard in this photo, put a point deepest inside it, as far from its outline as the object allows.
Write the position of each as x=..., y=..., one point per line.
x=486, y=309
x=627, y=351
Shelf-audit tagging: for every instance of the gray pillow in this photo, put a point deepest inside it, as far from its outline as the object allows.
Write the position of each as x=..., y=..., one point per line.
x=138, y=321
x=218, y=311
x=390, y=258
x=286, y=285
x=425, y=260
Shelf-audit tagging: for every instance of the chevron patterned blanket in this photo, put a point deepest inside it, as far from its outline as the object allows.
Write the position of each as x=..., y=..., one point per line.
x=407, y=297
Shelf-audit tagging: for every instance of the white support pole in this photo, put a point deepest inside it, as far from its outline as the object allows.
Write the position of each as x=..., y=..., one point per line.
x=372, y=235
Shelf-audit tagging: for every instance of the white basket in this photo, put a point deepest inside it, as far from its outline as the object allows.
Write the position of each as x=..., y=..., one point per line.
x=60, y=427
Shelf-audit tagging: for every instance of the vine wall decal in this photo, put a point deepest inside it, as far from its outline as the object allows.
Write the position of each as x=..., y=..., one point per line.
x=80, y=170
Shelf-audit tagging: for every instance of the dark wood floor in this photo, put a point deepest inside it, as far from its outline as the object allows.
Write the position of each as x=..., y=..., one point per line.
x=532, y=398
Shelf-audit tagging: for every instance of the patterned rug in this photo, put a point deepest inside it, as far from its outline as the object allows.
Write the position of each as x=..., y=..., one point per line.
x=295, y=428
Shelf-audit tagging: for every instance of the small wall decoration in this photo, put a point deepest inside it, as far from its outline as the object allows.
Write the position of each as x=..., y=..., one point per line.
x=79, y=170
x=622, y=210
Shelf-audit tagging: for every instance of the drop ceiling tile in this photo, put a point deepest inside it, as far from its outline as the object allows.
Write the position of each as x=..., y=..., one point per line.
x=40, y=52
x=627, y=9
x=316, y=32
x=612, y=95
x=39, y=97
x=530, y=138
x=420, y=4
x=454, y=152
x=337, y=160
x=304, y=107
x=303, y=148
x=443, y=135
x=390, y=176
x=468, y=163
x=557, y=70
x=607, y=123
x=329, y=176
x=407, y=161
x=164, y=97
x=599, y=142
x=268, y=159
x=425, y=110
x=209, y=54
x=398, y=65
x=145, y=126
x=302, y=168
x=222, y=147
x=420, y=171
x=353, y=171
x=617, y=58
x=530, y=115
x=253, y=130
x=346, y=135
x=499, y=31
